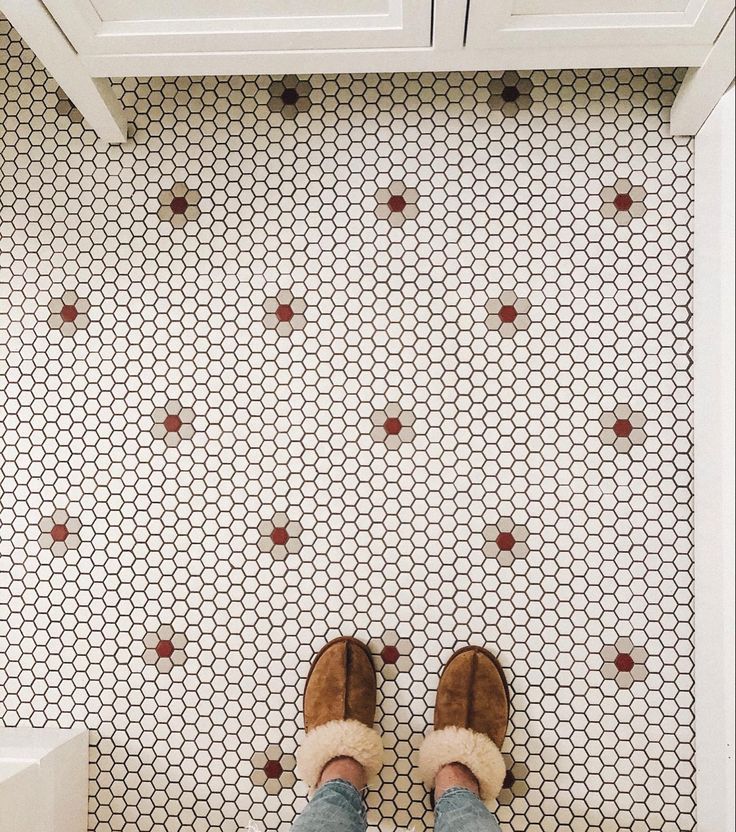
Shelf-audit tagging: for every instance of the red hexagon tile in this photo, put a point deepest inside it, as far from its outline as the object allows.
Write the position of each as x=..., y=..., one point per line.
x=392, y=654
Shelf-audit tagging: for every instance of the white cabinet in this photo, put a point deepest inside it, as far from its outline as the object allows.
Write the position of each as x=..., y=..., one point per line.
x=186, y=27
x=590, y=24
x=83, y=43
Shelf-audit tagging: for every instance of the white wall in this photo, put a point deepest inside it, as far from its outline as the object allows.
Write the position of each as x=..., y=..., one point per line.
x=714, y=467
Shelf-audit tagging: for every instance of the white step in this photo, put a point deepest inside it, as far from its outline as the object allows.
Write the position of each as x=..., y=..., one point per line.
x=44, y=779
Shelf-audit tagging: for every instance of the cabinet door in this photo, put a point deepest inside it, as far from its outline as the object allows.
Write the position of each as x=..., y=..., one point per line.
x=594, y=23
x=155, y=27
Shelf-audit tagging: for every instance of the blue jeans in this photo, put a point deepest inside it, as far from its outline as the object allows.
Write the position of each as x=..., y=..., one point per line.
x=338, y=807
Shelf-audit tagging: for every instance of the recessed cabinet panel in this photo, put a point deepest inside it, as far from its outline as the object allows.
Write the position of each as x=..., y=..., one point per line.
x=146, y=27
x=592, y=23
x=599, y=6
x=148, y=10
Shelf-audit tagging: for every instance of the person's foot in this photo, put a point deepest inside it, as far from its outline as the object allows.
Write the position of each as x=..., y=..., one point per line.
x=339, y=711
x=470, y=723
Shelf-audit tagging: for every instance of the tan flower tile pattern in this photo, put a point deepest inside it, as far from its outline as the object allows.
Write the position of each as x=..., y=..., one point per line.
x=173, y=423
x=624, y=662
x=179, y=205
x=290, y=96
x=69, y=313
x=285, y=312
x=391, y=654
x=397, y=203
x=165, y=648
x=508, y=314
x=623, y=202
x=60, y=532
x=279, y=536
x=273, y=770
x=515, y=784
x=505, y=541
x=623, y=428
x=510, y=93
x=393, y=426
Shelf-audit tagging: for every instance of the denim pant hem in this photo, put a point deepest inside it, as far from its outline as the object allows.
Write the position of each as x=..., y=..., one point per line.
x=338, y=807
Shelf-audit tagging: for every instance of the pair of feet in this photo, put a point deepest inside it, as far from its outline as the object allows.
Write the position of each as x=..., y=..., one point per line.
x=470, y=722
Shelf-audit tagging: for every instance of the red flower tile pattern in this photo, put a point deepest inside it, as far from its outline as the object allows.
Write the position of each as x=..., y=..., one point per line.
x=273, y=770
x=60, y=532
x=285, y=313
x=392, y=654
x=393, y=426
x=506, y=541
x=623, y=201
x=508, y=314
x=397, y=203
x=69, y=313
x=624, y=662
x=173, y=423
x=179, y=205
x=623, y=428
x=165, y=648
x=279, y=536
x=515, y=784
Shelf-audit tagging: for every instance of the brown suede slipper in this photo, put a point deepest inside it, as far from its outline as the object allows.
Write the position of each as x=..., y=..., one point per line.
x=339, y=711
x=471, y=720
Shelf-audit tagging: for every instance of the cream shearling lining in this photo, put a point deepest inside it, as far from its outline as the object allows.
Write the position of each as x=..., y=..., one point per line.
x=348, y=738
x=475, y=751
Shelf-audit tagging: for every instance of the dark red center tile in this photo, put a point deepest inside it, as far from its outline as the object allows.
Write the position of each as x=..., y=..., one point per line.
x=507, y=314
x=397, y=203
x=279, y=536
x=165, y=649
x=179, y=205
x=390, y=654
x=172, y=423
x=59, y=532
x=510, y=94
x=624, y=663
x=623, y=428
x=509, y=780
x=69, y=313
x=623, y=202
x=505, y=541
x=290, y=96
x=392, y=426
x=284, y=313
x=273, y=769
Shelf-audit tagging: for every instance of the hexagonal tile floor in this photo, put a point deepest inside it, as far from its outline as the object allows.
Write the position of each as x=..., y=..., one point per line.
x=401, y=357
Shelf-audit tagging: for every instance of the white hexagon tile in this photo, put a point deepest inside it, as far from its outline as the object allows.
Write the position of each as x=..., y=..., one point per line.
x=400, y=357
